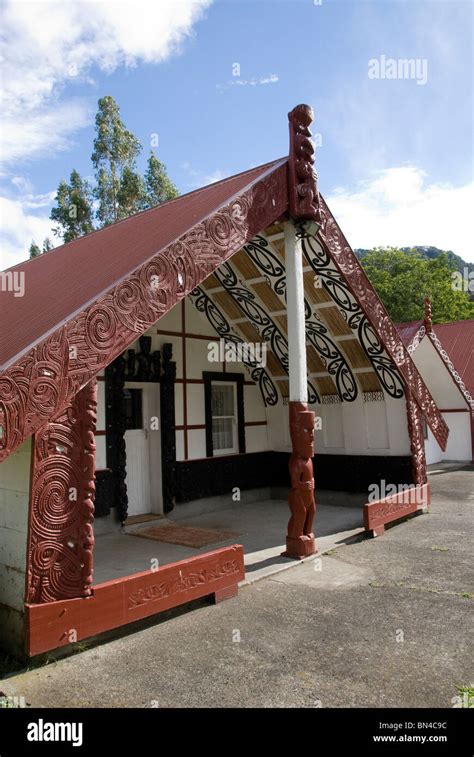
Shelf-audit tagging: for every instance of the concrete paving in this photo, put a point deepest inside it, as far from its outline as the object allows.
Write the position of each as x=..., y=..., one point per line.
x=259, y=526
x=380, y=622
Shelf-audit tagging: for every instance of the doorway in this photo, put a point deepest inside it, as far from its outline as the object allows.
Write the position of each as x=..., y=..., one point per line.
x=143, y=448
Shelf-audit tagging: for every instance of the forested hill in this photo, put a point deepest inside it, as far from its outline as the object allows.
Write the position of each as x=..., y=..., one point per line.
x=429, y=253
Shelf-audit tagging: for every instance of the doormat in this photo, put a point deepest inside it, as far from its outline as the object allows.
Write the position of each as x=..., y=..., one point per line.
x=185, y=535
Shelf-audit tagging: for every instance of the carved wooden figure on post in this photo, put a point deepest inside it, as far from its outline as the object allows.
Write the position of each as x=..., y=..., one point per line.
x=304, y=196
x=300, y=540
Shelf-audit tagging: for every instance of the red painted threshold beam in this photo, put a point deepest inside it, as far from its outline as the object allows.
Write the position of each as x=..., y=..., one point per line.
x=115, y=603
x=388, y=509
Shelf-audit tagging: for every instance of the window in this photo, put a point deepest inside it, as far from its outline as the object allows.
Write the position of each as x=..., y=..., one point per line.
x=225, y=430
x=133, y=408
x=224, y=418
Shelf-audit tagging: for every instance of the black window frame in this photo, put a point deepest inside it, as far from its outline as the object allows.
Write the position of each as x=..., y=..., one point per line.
x=234, y=378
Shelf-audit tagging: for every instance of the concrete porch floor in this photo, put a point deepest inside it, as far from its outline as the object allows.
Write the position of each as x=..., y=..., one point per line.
x=260, y=526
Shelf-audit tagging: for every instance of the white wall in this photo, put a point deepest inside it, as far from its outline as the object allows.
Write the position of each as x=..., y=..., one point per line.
x=437, y=377
x=14, y=503
x=459, y=440
x=349, y=428
x=447, y=396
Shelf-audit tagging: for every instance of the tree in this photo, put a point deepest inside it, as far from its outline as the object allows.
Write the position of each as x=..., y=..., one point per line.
x=403, y=281
x=115, y=149
x=131, y=197
x=34, y=250
x=159, y=186
x=73, y=210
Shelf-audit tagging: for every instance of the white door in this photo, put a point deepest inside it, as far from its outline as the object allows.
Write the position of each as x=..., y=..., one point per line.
x=140, y=444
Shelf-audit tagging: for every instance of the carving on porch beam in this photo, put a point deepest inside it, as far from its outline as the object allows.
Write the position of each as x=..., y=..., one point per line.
x=60, y=533
x=203, y=303
x=258, y=317
x=417, y=441
x=303, y=190
x=300, y=541
x=143, y=365
x=346, y=262
x=168, y=428
x=116, y=426
x=316, y=332
x=428, y=316
x=319, y=257
x=40, y=384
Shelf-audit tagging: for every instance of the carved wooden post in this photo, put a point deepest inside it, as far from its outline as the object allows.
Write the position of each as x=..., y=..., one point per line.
x=303, y=189
x=304, y=206
x=168, y=428
x=417, y=441
x=60, y=534
x=116, y=427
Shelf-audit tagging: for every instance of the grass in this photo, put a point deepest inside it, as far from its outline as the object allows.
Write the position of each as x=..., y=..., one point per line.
x=466, y=694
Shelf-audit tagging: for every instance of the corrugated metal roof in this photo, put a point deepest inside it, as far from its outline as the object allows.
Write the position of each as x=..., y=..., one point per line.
x=408, y=330
x=457, y=339
x=61, y=282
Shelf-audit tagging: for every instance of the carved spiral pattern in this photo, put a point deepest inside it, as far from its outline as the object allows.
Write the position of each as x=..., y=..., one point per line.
x=29, y=398
x=61, y=539
x=100, y=328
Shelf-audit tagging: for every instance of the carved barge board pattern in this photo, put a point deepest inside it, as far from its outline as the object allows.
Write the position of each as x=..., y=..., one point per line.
x=331, y=236
x=116, y=603
x=42, y=383
x=389, y=509
x=60, y=533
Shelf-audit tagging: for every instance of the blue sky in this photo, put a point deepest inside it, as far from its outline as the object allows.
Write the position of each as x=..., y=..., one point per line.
x=395, y=160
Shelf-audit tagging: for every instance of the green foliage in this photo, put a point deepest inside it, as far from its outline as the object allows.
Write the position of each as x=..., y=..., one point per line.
x=34, y=250
x=115, y=149
x=403, y=280
x=425, y=252
x=73, y=210
x=159, y=186
x=131, y=196
x=120, y=190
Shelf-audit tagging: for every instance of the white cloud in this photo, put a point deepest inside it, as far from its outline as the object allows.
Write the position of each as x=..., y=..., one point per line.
x=398, y=207
x=200, y=178
x=19, y=226
x=262, y=81
x=49, y=44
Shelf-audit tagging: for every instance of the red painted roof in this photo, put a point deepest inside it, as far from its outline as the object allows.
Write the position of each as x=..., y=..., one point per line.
x=63, y=281
x=408, y=330
x=458, y=341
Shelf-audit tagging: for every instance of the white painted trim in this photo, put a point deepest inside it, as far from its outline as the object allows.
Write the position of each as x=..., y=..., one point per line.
x=295, y=316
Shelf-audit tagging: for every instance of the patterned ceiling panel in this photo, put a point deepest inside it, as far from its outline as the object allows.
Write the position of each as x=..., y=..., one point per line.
x=317, y=334
x=334, y=284
x=218, y=321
